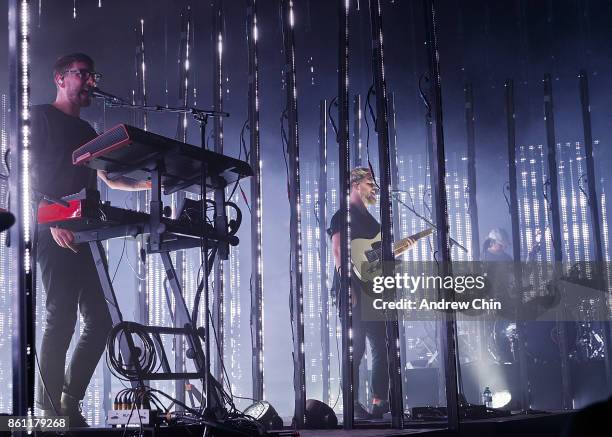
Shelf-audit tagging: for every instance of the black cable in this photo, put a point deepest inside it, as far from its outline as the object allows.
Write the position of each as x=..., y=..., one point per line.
x=367, y=106
x=333, y=102
x=581, y=180
x=246, y=154
x=198, y=295
x=246, y=202
x=7, y=162
x=545, y=187
x=147, y=359
x=504, y=189
x=222, y=361
x=245, y=127
x=285, y=145
x=119, y=262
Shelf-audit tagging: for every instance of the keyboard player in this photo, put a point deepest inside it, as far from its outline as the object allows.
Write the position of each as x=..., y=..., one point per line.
x=68, y=274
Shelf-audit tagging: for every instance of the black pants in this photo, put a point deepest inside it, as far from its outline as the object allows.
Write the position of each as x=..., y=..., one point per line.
x=376, y=334
x=72, y=284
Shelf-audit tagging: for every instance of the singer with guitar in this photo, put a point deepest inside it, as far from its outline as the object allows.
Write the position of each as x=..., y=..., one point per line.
x=365, y=234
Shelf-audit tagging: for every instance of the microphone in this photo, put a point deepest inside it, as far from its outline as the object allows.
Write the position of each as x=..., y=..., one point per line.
x=97, y=92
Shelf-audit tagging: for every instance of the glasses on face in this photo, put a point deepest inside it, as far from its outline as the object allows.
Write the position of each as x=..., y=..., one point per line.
x=84, y=74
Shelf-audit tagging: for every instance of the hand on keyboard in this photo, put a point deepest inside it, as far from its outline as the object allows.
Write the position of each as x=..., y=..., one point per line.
x=64, y=238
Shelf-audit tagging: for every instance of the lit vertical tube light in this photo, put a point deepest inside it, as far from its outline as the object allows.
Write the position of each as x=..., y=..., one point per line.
x=295, y=201
x=257, y=315
x=22, y=303
x=143, y=70
x=24, y=37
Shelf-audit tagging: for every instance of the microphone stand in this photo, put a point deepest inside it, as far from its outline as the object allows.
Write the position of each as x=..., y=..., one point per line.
x=197, y=113
x=425, y=219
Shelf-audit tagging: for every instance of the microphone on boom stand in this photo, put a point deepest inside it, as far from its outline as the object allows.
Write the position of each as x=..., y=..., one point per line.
x=97, y=92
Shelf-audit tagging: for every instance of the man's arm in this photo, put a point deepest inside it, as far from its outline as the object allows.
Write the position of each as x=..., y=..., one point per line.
x=124, y=184
x=336, y=253
x=336, y=249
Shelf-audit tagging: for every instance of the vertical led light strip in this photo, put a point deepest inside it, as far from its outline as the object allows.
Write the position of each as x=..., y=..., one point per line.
x=474, y=237
x=6, y=319
x=335, y=328
x=256, y=281
x=23, y=298
x=357, y=140
x=143, y=68
x=386, y=210
x=344, y=152
x=218, y=308
x=311, y=325
x=295, y=227
x=321, y=205
x=141, y=197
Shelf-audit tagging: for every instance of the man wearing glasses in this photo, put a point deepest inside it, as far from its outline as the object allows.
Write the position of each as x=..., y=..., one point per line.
x=68, y=272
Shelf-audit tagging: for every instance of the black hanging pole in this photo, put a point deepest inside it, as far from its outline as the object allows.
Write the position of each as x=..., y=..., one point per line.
x=594, y=208
x=256, y=216
x=472, y=204
x=552, y=169
x=23, y=340
x=386, y=212
x=516, y=238
x=141, y=196
x=393, y=161
x=344, y=171
x=295, y=232
x=448, y=336
x=322, y=220
x=184, y=54
x=219, y=195
x=471, y=172
x=555, y=216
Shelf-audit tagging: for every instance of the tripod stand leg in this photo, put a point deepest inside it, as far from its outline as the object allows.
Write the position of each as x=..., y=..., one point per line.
x=126, y=344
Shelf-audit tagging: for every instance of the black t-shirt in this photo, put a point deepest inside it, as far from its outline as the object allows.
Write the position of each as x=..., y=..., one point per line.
x=54, y=136
x=363, y=225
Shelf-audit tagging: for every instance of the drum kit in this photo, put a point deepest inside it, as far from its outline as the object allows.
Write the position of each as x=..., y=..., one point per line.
x=584, y=340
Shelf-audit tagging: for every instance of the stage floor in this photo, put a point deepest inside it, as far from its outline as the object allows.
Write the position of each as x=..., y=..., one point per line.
x=373, y=432
x=540, y=425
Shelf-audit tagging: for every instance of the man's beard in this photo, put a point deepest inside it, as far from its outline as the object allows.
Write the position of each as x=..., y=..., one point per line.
x=370, y=199
x=83, y=98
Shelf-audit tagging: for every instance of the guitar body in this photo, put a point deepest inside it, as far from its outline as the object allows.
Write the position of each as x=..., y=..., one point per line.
x=366, y=253
x=364, y=257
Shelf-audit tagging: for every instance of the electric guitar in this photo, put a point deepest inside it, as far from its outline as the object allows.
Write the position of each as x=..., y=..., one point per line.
x=366, y=254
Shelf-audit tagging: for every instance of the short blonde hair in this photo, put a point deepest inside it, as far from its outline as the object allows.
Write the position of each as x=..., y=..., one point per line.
x=360, y=173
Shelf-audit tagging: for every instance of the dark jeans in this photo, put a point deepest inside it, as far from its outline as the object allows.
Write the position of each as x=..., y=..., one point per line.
x=376, y=334
x=71, y=282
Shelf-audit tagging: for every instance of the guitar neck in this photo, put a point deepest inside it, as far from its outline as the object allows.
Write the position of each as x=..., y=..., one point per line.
x=404, y=244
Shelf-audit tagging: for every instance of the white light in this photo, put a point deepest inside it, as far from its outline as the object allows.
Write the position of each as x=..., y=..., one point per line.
x=501, y=398
x=25, y=130
x=220, y=44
